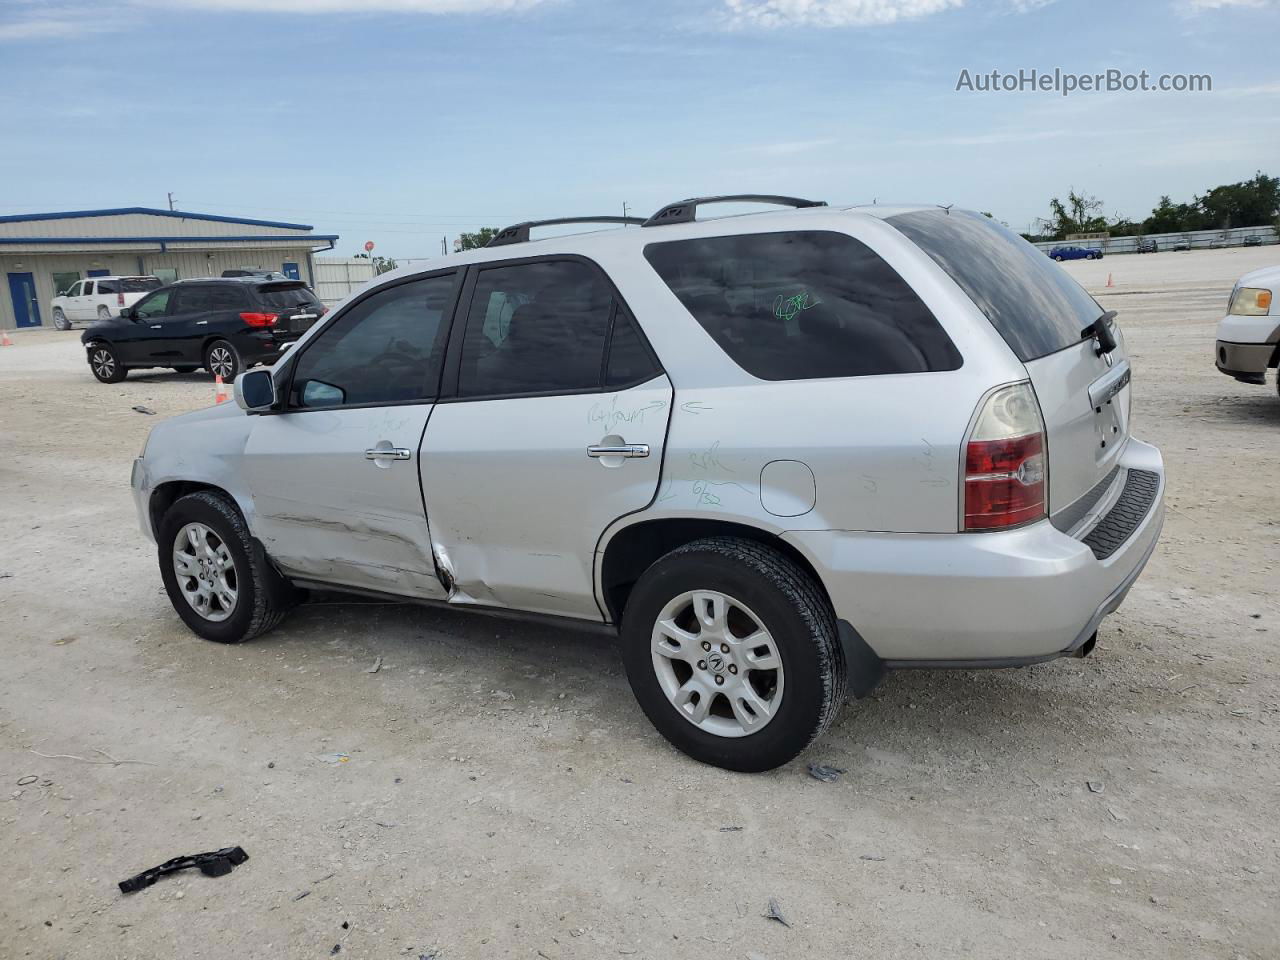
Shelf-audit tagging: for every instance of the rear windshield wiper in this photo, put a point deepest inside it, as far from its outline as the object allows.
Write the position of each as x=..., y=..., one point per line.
x=1100, y=330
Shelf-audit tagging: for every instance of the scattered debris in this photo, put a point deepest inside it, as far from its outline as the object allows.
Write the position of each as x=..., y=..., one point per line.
x=775, y=912
x=874, y=858
x=1095, y=786
x=216, y=863
x=5, y=575
x=30, y=778
x=304, y=893
x=63, y=641
x=337, y=949
x=503, y=695
x=377, y=665
x=1116, y=816
x=333, y=758
x=730, y=829
x=110, y=759
x=327, y=876
x=271, y=764
x=827, y=774
x=147, y=410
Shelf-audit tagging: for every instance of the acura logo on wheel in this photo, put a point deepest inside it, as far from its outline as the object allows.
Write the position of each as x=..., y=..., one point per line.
x=716, y=662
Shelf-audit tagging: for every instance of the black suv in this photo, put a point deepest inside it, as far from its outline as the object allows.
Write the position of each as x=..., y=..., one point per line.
x=224, y=325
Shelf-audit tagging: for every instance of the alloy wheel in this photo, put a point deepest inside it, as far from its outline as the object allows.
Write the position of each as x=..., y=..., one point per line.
x=221, y=362
x=717, y=663
x=206, y=572
x=104, y=363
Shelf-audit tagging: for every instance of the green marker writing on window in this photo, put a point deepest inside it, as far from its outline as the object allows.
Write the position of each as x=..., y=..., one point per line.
x=788, y=308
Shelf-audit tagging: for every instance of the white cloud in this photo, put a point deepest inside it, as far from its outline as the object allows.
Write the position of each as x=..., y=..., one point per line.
x=54, y=22
x=831, y=13
x=1220, y=4
x=788, y=148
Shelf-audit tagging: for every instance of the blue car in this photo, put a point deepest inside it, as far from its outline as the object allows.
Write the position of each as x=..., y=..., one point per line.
x=1075, y=253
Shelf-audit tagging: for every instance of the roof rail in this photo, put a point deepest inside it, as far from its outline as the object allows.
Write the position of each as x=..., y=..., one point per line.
x=519, y=233
x=686, y=211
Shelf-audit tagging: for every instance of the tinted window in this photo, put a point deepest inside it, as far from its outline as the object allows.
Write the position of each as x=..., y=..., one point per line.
x=629, y=358
x=536, y=328
x=154, y=305
x=384, y=349
x=1030, y=300
x=108, y=286
x=88, y=288
x=139, y=285
x=796, y=306
x=295, y=296
x=201, y=299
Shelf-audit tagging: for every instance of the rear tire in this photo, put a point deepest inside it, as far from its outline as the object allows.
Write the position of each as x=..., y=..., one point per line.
x=105, y=363
x=60, y=321
x=673, y=618
x=222, y=359
x=260, y=596
x=1059, y=259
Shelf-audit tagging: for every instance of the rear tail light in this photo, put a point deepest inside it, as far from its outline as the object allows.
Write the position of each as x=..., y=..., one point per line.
x=259, y=319
x=1005, y=470
x=120, y=298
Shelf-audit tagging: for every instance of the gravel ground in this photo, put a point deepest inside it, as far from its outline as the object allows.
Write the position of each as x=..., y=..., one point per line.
x=505, y=797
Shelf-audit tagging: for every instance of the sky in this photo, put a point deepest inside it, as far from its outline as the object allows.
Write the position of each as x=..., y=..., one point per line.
x=405, y=121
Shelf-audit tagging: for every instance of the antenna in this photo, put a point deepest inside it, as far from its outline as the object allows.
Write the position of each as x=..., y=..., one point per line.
x=171, y=200
x=946, y=208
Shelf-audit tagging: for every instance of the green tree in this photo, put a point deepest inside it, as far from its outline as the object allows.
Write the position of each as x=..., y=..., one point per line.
x=380, y=264
x=470, y=241
x=1080, y=214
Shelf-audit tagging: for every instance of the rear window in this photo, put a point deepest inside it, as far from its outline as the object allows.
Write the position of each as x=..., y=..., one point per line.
x=1029, y=299
x=803, y=305
x=296, y=295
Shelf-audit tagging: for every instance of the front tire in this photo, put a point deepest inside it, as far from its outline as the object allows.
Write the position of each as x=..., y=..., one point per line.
x=60, y=321
x=1059, y=259
x=732, y=653
x=105, y=363
x=222, y=360
x=218, y=578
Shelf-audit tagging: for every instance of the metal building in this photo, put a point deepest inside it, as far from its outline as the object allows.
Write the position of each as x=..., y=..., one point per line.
x=42, y=254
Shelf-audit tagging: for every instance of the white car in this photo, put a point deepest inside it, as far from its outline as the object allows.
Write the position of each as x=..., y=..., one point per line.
x=99, y=298
x=1249, y=335
x=774, y=453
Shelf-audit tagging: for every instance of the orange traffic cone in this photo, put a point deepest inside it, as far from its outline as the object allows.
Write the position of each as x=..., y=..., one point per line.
x=219, y=391
x=1109, y=283
x=4, y=339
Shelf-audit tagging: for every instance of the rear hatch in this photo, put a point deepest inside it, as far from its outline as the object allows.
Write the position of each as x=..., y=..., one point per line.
x=1043, y=315
x=295, y=306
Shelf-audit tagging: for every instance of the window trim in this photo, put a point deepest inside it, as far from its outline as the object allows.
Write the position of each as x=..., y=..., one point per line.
x=447, y=317
x=458, y=332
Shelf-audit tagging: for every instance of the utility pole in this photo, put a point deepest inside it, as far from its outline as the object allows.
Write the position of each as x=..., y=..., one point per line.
x=170, y=199
x=624, y=211
x=444, y=246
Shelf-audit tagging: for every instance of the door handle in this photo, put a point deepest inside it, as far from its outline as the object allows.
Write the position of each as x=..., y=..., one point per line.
x=618, y=450
x=202, y=323
x=155, y=326
x=388, y=453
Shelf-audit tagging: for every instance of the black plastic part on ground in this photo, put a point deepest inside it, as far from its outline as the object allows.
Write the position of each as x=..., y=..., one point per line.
x=216, y=863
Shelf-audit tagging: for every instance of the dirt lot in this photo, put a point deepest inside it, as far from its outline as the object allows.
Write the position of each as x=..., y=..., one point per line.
x=504, y=796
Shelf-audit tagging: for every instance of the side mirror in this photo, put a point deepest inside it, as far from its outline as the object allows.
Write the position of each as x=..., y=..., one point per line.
x=255, y=390
x=126, y=312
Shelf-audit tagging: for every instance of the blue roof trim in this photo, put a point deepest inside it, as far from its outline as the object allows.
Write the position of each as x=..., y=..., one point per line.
x=151, y=211
x=274, y=238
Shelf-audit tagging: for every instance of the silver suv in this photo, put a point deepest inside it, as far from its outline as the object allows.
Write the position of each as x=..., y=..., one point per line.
x=776, y=453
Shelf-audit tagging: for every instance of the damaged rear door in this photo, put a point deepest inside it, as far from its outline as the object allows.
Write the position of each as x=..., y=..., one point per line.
x=334, y=475
x=550, y=426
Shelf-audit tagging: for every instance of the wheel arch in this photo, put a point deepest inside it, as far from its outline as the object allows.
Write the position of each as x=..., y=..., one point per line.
x=632, y=549
x=166, y=494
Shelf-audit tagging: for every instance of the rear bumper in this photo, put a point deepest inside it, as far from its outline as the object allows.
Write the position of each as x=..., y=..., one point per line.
x=986, y=599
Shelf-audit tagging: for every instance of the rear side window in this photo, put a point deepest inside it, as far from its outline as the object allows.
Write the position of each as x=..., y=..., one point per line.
x=295, y=296
x=803, y=305
x=108, y=286
x=1029, y=299
x=191, y=299
x=542, y=328
x=138, y=285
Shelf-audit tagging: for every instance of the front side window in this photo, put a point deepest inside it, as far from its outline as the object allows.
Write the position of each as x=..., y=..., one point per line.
x=386, y=348
x=155, y=305
x=803, y=305
x=536, y=328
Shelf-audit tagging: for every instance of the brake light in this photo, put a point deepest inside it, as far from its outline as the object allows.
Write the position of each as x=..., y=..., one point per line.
x=1005, y=470
x=259, y=319
x=120, y=298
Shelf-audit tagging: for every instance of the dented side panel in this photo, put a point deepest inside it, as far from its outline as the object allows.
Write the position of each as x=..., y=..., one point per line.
x=326, y=512
x=517, y=505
